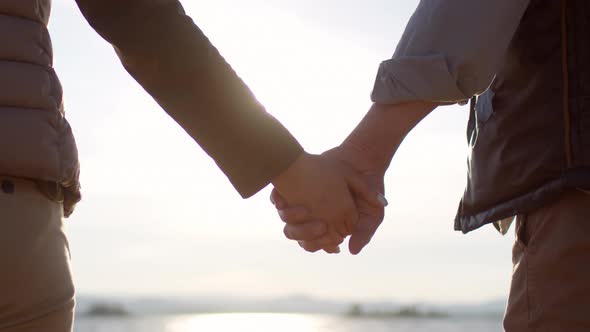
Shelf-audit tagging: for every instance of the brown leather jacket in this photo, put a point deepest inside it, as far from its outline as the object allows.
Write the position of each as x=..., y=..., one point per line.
x=530, y=132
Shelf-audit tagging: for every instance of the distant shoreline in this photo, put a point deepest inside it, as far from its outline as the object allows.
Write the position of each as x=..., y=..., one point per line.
x=98, y=306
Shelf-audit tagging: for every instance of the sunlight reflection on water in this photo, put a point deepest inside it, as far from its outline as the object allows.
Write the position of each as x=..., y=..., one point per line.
x=260, y=322
x=245, y=323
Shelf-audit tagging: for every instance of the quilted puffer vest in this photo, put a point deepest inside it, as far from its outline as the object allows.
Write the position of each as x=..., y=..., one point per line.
x=530, y=132
x=36, y=141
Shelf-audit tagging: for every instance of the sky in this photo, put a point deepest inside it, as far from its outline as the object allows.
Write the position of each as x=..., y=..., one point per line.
x=159, y=218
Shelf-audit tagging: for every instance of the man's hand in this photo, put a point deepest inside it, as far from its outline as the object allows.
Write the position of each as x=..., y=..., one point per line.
x=323, y=186
x=309, y=230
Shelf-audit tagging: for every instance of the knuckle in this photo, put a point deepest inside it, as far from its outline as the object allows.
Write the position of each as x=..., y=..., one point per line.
x=338, y=240
x=272, y=197
x=306, y=233
x=330, y=250
x=288, y=232
x=317, y=229
x=330, y=240
x=309, y=246
x=342, y=230
x=284, y=216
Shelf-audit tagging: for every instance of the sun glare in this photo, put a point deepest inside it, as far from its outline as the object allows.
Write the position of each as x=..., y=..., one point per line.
x=245, y=322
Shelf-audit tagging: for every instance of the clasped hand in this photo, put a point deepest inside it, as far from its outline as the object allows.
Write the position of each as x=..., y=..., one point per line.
x=325, y=198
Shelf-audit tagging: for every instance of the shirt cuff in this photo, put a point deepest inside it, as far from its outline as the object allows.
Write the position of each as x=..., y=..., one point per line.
x=416, y=78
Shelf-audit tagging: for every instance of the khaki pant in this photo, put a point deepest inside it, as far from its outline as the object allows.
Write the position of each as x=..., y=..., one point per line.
x=36, y=288
x=550, y=288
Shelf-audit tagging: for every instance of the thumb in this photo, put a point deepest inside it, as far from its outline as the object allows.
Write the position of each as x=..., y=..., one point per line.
x=359, y=187
x=363, y=233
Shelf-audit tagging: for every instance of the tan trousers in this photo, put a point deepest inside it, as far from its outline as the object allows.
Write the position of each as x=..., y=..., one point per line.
x=550, y=288
x=36, y=288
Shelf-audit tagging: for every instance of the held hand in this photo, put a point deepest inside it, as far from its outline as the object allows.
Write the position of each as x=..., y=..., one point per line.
x=323, y=186
x=370, y=214
x=310, y=232
x=369, y=150
x=370, y=217
x=304, y=231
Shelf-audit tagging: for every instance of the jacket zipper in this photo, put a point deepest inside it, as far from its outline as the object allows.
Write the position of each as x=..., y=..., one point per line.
x=565, y=75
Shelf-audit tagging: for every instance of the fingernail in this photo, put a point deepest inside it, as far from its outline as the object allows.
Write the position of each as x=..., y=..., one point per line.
x=382, y=199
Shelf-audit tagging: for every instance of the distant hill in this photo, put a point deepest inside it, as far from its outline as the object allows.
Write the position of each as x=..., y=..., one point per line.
x=106, y=310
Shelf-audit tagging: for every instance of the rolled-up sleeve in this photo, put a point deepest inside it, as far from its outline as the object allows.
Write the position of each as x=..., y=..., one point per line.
x=449, y=52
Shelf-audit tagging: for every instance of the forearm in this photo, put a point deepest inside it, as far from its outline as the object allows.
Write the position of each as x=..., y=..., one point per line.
x=176, y=64
x=382, y=130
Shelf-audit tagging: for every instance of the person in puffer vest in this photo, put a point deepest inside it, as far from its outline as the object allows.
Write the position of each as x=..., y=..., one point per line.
x=39, y=168
x=525, y=66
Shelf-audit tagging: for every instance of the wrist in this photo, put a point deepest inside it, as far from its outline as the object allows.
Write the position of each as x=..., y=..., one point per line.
x=366, y=157
x=291, y=174
x=382, y=130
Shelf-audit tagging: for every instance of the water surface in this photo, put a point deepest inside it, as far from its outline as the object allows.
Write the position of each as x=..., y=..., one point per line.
x=282, y=323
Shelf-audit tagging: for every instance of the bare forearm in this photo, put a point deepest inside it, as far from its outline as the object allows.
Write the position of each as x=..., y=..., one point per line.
x=383, y=129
